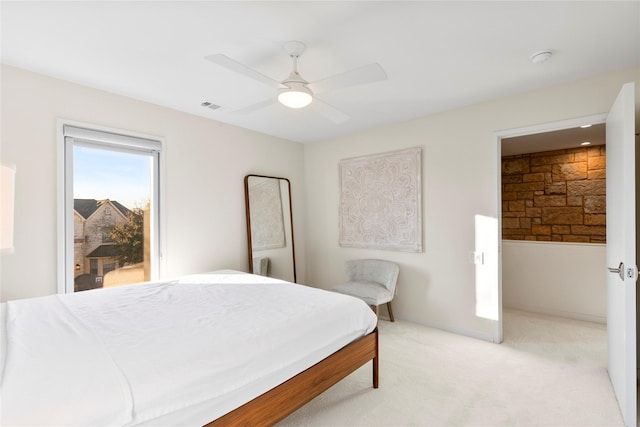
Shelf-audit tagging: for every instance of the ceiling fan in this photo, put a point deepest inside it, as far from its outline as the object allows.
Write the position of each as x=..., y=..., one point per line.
x=296, y=92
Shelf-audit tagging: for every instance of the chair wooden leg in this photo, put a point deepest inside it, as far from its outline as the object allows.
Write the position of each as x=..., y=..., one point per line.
x=374, y=308
x=390, y=311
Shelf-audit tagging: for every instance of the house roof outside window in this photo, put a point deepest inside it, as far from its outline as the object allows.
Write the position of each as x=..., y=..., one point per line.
x=103, y=251
x=86, y=207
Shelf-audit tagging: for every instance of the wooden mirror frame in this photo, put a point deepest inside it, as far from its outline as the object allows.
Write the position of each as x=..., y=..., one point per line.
x=248, y=220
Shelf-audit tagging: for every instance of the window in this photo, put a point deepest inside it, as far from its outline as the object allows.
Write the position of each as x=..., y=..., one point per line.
x=93, y=269
x=110, y=208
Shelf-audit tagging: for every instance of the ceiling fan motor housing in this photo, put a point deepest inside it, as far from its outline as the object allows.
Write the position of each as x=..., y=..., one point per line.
x=296, y=94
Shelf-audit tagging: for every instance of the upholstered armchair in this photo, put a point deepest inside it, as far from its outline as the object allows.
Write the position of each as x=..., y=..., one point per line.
x=261, y=266
x=372, y=280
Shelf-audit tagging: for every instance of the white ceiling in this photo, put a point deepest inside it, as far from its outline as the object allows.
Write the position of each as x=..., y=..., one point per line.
x=437, y=55
x=555, y=140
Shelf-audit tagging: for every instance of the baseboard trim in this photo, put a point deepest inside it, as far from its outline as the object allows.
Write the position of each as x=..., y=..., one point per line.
x=495, y=335
x=459, y=331
x=559, y=313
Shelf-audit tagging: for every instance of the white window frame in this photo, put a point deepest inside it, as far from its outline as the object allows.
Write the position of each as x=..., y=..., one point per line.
x=71, y=133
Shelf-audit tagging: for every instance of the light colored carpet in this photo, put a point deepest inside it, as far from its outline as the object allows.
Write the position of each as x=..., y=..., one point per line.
x=548, y=372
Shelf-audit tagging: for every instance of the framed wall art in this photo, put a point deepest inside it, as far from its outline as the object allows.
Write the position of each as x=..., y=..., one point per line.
x=380, y=201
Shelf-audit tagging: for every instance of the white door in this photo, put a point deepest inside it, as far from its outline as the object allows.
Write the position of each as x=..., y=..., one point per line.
x=621, y=252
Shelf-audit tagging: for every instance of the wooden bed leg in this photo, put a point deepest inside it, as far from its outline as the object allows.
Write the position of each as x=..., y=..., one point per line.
x=375, y=364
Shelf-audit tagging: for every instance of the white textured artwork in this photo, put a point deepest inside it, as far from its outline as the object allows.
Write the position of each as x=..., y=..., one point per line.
x=265, y=214
x=380, y=201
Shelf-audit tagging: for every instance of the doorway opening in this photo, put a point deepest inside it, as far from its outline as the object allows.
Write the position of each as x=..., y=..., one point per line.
x=553, y=191
x=517, y=142
x=542, y=137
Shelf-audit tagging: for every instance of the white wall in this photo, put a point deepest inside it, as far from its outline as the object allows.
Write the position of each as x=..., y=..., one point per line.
x=206, y=162
x=561, y=279
x=205, y=214
x=460, y=180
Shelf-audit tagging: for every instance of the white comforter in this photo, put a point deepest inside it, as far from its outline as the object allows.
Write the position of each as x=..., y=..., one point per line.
x=138, y=354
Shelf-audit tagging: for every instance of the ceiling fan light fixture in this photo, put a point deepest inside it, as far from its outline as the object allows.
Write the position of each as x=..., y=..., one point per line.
x=295, y=96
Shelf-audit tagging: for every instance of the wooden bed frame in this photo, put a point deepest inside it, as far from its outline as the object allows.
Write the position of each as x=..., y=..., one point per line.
x=281, y=401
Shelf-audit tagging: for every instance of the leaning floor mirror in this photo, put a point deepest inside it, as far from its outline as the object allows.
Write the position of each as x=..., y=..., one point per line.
x=270, y=227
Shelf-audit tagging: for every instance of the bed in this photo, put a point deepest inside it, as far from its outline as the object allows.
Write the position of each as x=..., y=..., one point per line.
x=222, y=348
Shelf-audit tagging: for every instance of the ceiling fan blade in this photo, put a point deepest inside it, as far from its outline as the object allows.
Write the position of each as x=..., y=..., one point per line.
x=257, y=106
x=230, y=64
x=361, y=75
x=328, y=111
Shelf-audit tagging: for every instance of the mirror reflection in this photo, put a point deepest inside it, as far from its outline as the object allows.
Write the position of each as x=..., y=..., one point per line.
x=270, y=227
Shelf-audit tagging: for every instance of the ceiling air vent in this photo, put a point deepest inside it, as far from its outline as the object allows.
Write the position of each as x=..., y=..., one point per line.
x=210, y=105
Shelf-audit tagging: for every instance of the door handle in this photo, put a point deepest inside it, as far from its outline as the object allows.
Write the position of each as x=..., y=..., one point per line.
x=619, y=271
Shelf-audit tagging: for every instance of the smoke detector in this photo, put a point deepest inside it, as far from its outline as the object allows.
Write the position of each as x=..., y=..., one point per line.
x=541, y=56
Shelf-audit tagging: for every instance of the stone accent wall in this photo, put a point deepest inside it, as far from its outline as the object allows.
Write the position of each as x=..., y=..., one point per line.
x=555, y=196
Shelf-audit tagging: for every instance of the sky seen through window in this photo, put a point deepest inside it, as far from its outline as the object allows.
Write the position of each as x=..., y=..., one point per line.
x=107, y=174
